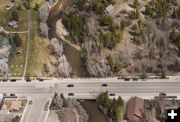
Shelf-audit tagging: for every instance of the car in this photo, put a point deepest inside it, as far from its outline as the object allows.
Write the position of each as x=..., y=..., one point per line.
x=70, y=85
x=70, y=94
x=12, y=95
x=4, y=80
x=104, y=85
x=13, y=80
x=53, y=85
x=112, y=94
x=41, y=80
x=127, y=79
x=162, y=94
x=135, y=79
x=28, y=80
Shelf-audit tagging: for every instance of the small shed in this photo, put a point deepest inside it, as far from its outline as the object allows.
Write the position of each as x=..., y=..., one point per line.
x=109, y=9
x=9, y=5
x=13, y=24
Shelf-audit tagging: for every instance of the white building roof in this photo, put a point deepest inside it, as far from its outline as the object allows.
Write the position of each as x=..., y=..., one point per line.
x=109, y=9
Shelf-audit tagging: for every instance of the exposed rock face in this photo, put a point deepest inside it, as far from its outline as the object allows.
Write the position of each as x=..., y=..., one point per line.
x=98, y=66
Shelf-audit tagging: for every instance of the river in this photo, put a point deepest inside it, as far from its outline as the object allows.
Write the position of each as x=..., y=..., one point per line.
x=95, y=115
x=73, y=56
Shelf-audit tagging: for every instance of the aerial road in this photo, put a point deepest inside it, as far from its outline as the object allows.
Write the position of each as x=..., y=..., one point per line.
x=91, y=88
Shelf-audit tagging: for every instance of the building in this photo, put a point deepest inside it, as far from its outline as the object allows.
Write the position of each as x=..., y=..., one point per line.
x=134, y=109
x=9, y=5
x=13, y=24
x=109, y=9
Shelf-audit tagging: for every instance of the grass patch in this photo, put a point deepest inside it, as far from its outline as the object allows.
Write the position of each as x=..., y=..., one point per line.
x=38, y=51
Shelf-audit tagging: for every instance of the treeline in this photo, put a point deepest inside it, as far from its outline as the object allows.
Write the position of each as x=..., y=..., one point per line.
x=113, y=106
x=100, y=5
x=115, y=67
x=159, y=8
x=110, y=38
x=76, y=25
x=175, y=37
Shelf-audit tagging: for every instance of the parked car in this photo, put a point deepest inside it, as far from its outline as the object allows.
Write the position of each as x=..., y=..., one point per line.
x=28, y=80
x=4, y=80
x=162, y=94
x=13, y=80
x=135, y=79
x=127, y=79
x=41, y=80
x=70, y=94
x=12, y=95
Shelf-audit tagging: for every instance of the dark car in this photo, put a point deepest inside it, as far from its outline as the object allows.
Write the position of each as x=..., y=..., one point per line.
x=70, y=85
x=162, y=94
x=28, y=80
x=112, y=94
x=13, y=80
x=41, y=80
x=135, y=79
x=12, y=95
x=104, y=85
x=70, y=94
x=127, y=79
x=4, y=80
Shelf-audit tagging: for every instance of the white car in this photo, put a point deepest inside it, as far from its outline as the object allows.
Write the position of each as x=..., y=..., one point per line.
x=53, y=85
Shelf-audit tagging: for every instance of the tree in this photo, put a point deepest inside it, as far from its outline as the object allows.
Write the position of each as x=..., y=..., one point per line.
x=149, y=11
x=120, y=101
x=65, y=102
x=15, y=15
x=19, y=7
x=16, y=119
x=135, y=14
x=174, y=14
x=136, y=3
x=172, y=35
x=17, y=39
x=36, y=8
x=163, y=75
x=27, y=4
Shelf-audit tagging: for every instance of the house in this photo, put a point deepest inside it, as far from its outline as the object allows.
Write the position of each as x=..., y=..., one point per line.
x=9, y=5
x=109, y=9
x=13, y=24
x=134, y=109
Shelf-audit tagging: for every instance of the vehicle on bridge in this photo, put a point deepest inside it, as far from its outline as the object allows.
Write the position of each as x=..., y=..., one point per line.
x=70, y=85
x=104, y=85
x=70, y=94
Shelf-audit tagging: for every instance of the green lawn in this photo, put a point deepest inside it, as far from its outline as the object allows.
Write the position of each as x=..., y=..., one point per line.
x=38, y=51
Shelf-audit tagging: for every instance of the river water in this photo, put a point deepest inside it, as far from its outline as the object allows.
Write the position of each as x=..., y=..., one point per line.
x=73, y=56
x=95, y=115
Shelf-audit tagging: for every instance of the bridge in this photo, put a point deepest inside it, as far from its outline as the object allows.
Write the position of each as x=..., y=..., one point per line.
x=91, y=88
x=41, y=92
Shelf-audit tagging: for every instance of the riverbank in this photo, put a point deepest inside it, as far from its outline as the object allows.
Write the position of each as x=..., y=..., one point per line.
x=95, y=115
x=73, y=56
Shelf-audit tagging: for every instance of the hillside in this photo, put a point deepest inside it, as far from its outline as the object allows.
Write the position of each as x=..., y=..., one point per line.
x=126, y=37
